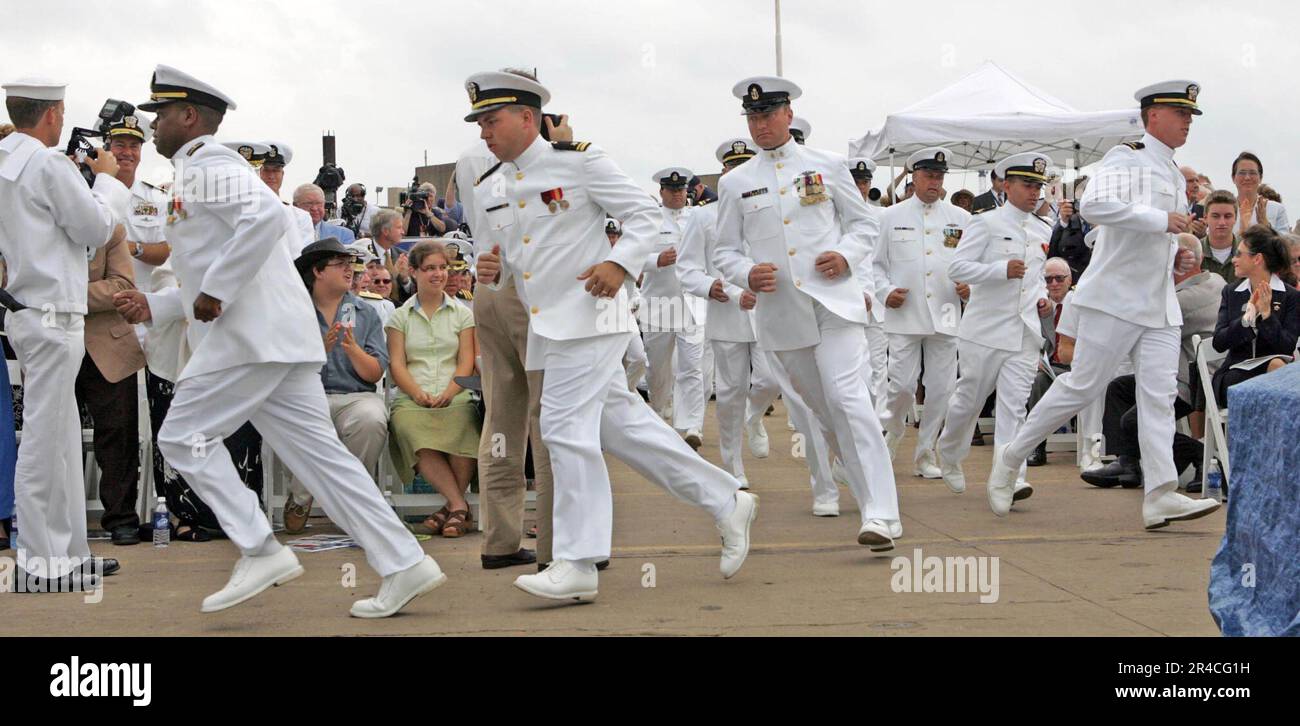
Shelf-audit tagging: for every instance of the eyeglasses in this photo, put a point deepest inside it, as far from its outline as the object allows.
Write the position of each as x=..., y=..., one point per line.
x=340, y=263
x=1057, y=278
x=1247, y=172
x=388, y=281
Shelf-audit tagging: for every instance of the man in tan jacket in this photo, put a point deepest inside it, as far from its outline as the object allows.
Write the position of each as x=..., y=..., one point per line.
x=106, y=386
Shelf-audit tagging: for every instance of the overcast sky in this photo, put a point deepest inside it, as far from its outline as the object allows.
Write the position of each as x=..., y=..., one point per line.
x=651, y=81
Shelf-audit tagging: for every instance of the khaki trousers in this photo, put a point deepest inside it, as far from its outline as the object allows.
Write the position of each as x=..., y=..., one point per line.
x=502, y=325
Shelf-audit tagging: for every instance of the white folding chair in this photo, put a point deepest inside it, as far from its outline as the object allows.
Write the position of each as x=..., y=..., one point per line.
x=1216, y=419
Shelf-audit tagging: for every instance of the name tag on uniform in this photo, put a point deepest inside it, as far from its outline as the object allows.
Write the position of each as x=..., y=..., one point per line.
x=753, y=193
x=905, y=229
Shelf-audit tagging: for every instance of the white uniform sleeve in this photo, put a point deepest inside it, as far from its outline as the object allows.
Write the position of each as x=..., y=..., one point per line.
x=621, y=198
x=860, y=227
x=165, y=306
x=730, y=256
x=691, y=265
x=88, y=216
x=1113, y=199
x=258, y=225
x=966, y=265
x=880, y=261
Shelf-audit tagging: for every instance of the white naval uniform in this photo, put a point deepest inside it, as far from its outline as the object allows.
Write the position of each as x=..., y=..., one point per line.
x=579, y=340
x=877, y=374
x=917, y=242
x=673, y=324
x=1000, y=335
x=769, y=212
x=1126, y=306
x=50, y=222
x=259, y=361
x=143, y=218
x=730, y=331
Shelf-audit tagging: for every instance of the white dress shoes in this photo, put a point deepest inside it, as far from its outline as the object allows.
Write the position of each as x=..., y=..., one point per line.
x=879, y=535
x=744, y=482
x=251, y=576
x=1002, y=483
x=1162, y=507
x=1023, y=490
x=826, y=509
x=562, y=580
x=953, y=477
x=927, y=466
x=400, y=588
x=734, y=530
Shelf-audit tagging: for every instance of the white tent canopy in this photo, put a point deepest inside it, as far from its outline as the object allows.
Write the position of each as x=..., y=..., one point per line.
x=990, y=115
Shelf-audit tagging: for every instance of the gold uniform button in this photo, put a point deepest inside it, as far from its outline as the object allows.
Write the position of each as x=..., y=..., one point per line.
x=780, y=165
x=929, y=252
x=928, y=274
x=783, y=190
x=535, y=311
x=527, y=239
x=787, y=221
x=929, y=231
x=798, y=283
x=522, y=204
x=928, y=295
x=792, y=252
x=528, y=275
x=519, y=175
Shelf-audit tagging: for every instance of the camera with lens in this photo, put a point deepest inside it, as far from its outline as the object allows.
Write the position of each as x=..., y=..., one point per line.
x=874, y=195
x=79, y=146
x=414, y=198
x=330, y=178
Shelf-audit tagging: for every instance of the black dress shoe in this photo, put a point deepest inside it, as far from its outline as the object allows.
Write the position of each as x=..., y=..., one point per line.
x=102, y=566
x=126, y=535
x=978, y=438
x=602, y=565
x=1124, y=471
x=496, y=562
x=1039, y=456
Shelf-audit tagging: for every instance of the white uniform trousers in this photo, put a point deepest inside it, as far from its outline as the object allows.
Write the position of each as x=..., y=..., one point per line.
x=708, y=371
x=586, y=407
x=286, y=403
x=878, y=349
x=940, y=378
x=1104, y=342
x=49, y=484
x=982, y=369
x=741, y=390
x=676, y=375
x=634, y=361
x=361, y=421
x=812, y=444
x=828, y=376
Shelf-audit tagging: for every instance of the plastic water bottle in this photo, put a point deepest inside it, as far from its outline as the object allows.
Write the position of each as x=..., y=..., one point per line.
x=162, y=525
x=1214, y=481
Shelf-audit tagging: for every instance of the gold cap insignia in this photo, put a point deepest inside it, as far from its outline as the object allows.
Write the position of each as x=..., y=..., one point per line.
x=472, y=89
x=1040, y=166
x=1193, y=91
x=739, y=147
x=130, y=122
x=939, y=157
x=246, y=152
x=755, y=91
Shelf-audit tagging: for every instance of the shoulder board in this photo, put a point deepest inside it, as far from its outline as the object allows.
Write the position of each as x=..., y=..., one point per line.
x=488, y=173
x=570, y=145
x=465, y=295
x=196, y=148
x=370, y=295
x=1134, y=145
x=704, y=202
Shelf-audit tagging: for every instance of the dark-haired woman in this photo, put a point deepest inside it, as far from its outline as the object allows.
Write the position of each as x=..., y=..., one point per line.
x=1259, y=317
x=1252, y=207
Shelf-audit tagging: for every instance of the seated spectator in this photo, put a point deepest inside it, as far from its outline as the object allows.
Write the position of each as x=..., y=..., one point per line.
x=1058, y=349
x=1068, y=233
x=1221, y=241
x=435, y=423
x=1194, y=206
x=1259, y=319
x=1253, y=208
x=379, y=283
x=1198, y=293
x=995, y=197
x=356, y=357
x=423, y=217
x=964, y=198
x=387, y=230
x=311, y=199
x=1204, y=188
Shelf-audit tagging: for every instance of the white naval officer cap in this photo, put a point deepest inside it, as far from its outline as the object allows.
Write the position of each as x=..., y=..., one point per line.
x=759, y=94
x=674, y=177
x=252, y=151
x=861, y=167
x=278, y=153
x=934, y=158
x=1029, y=166
x=170, y=85
x=800, y=129
x=135, y=125
x=497, y=89
x=735, y=151
x=1179, y=94
x=37, y=89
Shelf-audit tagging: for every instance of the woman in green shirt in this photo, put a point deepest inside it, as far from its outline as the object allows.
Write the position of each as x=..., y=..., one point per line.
x=434, y=423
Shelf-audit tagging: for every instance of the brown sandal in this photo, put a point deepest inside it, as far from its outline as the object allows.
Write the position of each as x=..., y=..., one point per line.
x=434, y=524
x=457, y=524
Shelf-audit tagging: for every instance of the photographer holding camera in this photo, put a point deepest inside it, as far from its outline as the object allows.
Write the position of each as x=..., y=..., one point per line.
x=421, y=215
x=48, y=220
x=357, y=213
